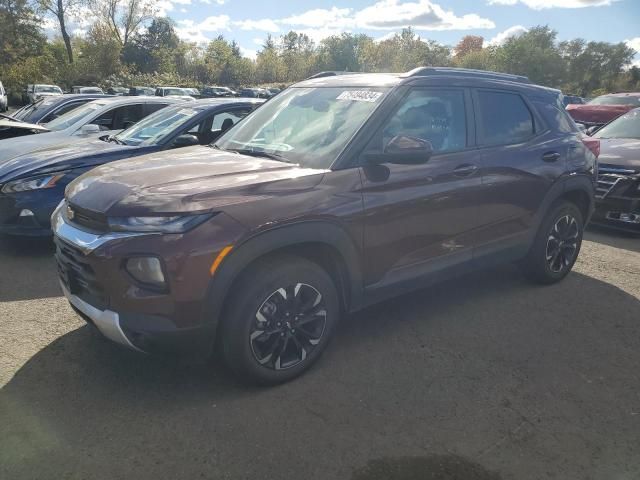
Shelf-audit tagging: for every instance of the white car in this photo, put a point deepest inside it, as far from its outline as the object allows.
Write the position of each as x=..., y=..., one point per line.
x=34, y=92
x=4, y=105
x=93, y=119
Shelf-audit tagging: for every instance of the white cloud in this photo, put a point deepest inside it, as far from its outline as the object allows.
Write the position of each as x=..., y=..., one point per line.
x=182, y=2
x=183, y=10
x=164, y=7
x=421, y=15
x=248, y=53
x=320, y=18
x=388, y=15
x=541, y=4
x=510, y=32
x=265, y=25
x=208, y=2
x=635, y=44
x=387, y=36
x=195, y=32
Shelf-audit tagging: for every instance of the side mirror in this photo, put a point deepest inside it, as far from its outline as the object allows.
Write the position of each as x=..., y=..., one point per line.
x=90, y=129
x=404, y=150
x=186, y=140
x=591, y=130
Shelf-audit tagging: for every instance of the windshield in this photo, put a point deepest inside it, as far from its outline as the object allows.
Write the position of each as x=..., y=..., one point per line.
x=47, y=89
x=73, y=116
x=91, y=90
x=614, y=100
x=626, y=126
x=156, y=127
x=308, y=126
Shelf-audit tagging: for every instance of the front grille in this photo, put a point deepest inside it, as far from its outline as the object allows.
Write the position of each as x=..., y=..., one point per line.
x=608, y=177
x=86, y=219
x=77, y=275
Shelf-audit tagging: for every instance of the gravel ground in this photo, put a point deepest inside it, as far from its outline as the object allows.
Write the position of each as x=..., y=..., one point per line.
x=483, y=377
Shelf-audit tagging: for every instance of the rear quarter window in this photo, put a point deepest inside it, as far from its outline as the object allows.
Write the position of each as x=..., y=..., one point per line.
x=503, y=118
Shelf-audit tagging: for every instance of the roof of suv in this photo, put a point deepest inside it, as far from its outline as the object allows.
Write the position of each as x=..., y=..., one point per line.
x=337, y=79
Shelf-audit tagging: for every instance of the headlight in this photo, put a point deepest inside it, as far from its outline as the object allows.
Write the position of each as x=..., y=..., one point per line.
x=33, y=183
x=172, y=224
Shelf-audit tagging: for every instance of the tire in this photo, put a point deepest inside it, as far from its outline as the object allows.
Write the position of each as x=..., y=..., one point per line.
x=279, y=319
x=557, y=244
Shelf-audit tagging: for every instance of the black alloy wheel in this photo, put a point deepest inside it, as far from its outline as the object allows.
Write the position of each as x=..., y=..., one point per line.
x=562, y=243
x=288, y=326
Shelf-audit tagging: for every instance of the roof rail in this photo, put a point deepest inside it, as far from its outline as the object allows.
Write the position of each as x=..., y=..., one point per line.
x=330, y=73
x=427, y=71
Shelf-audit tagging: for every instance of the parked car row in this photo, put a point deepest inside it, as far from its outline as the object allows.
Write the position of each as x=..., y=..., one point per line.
x=213, y=223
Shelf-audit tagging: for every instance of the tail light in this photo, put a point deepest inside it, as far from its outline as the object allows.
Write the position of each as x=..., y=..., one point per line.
x=592, y=144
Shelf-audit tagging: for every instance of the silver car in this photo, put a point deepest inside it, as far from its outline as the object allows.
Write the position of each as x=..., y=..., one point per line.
x=34, y=92
x=100, y=117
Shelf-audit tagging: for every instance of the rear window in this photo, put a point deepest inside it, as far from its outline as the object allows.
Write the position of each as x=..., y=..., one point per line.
x=504, y=118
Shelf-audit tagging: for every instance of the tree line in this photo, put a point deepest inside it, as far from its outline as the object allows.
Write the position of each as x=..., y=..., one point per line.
x=127, y=44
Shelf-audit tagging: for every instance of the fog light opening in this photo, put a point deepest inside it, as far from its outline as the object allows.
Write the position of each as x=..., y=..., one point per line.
x=146, y=270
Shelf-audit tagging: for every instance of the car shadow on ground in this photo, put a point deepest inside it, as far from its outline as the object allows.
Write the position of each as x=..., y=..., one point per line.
x=485, y=366
x=27, y=269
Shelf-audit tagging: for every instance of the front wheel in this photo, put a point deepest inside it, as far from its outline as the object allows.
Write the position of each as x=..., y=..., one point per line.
x=557, y=244
x=279, y=319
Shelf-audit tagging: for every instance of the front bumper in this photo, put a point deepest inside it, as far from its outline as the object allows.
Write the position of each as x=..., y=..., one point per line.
x=618, y=213
x=39, y=203
x=92, y=272
x=618, y=199
x=106, y=321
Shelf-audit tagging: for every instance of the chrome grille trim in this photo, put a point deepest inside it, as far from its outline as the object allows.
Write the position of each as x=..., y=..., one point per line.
x=608, y=178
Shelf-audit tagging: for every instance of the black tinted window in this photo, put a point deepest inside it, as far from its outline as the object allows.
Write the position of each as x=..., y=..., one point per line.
x=504, y=118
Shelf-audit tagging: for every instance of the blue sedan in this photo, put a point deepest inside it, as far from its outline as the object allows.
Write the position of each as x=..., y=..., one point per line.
x=32, y=185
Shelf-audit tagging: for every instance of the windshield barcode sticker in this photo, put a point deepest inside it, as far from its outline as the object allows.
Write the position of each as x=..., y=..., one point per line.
x=359, y=95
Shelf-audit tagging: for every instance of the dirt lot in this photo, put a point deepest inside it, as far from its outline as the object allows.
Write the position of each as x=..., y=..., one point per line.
x=484, y=377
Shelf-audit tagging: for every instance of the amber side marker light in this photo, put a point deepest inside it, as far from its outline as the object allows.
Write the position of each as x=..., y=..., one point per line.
x=216, y=263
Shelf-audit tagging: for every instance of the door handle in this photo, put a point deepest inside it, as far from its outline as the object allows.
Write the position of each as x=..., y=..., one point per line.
x=465, y=170
x=550, y=156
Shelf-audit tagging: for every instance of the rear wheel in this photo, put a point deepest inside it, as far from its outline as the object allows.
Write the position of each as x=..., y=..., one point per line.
x=279, y=319
x=557, y=244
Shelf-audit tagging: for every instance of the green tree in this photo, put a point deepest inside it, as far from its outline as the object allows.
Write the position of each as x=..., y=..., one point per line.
x=20, y=34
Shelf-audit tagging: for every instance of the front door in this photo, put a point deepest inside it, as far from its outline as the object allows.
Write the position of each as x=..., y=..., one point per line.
x=419, y=218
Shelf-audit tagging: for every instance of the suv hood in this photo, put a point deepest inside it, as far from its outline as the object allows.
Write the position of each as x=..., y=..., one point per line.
x=12, y=147
x=56, y=158
x=6, y=123
x=597, y=113
x=620, y=152
x=193, y=179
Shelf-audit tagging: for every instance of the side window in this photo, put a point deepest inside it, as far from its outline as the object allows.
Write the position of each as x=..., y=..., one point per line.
x=224, y=121
x=62, y=110
x=119, y=118
x=436, y=115
x=149, y=108
x=504, y=118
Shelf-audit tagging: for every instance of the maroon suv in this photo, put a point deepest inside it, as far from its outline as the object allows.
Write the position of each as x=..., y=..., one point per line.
x=604, y=108
x=338, y=193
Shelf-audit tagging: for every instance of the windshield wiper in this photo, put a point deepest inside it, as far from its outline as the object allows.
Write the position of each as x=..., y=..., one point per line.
x=259, y=153
x=9, y=117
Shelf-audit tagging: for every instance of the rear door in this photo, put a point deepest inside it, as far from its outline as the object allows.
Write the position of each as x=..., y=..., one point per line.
x=520, y=159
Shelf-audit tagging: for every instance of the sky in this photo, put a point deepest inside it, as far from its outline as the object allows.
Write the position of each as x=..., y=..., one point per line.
x=446, y=21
